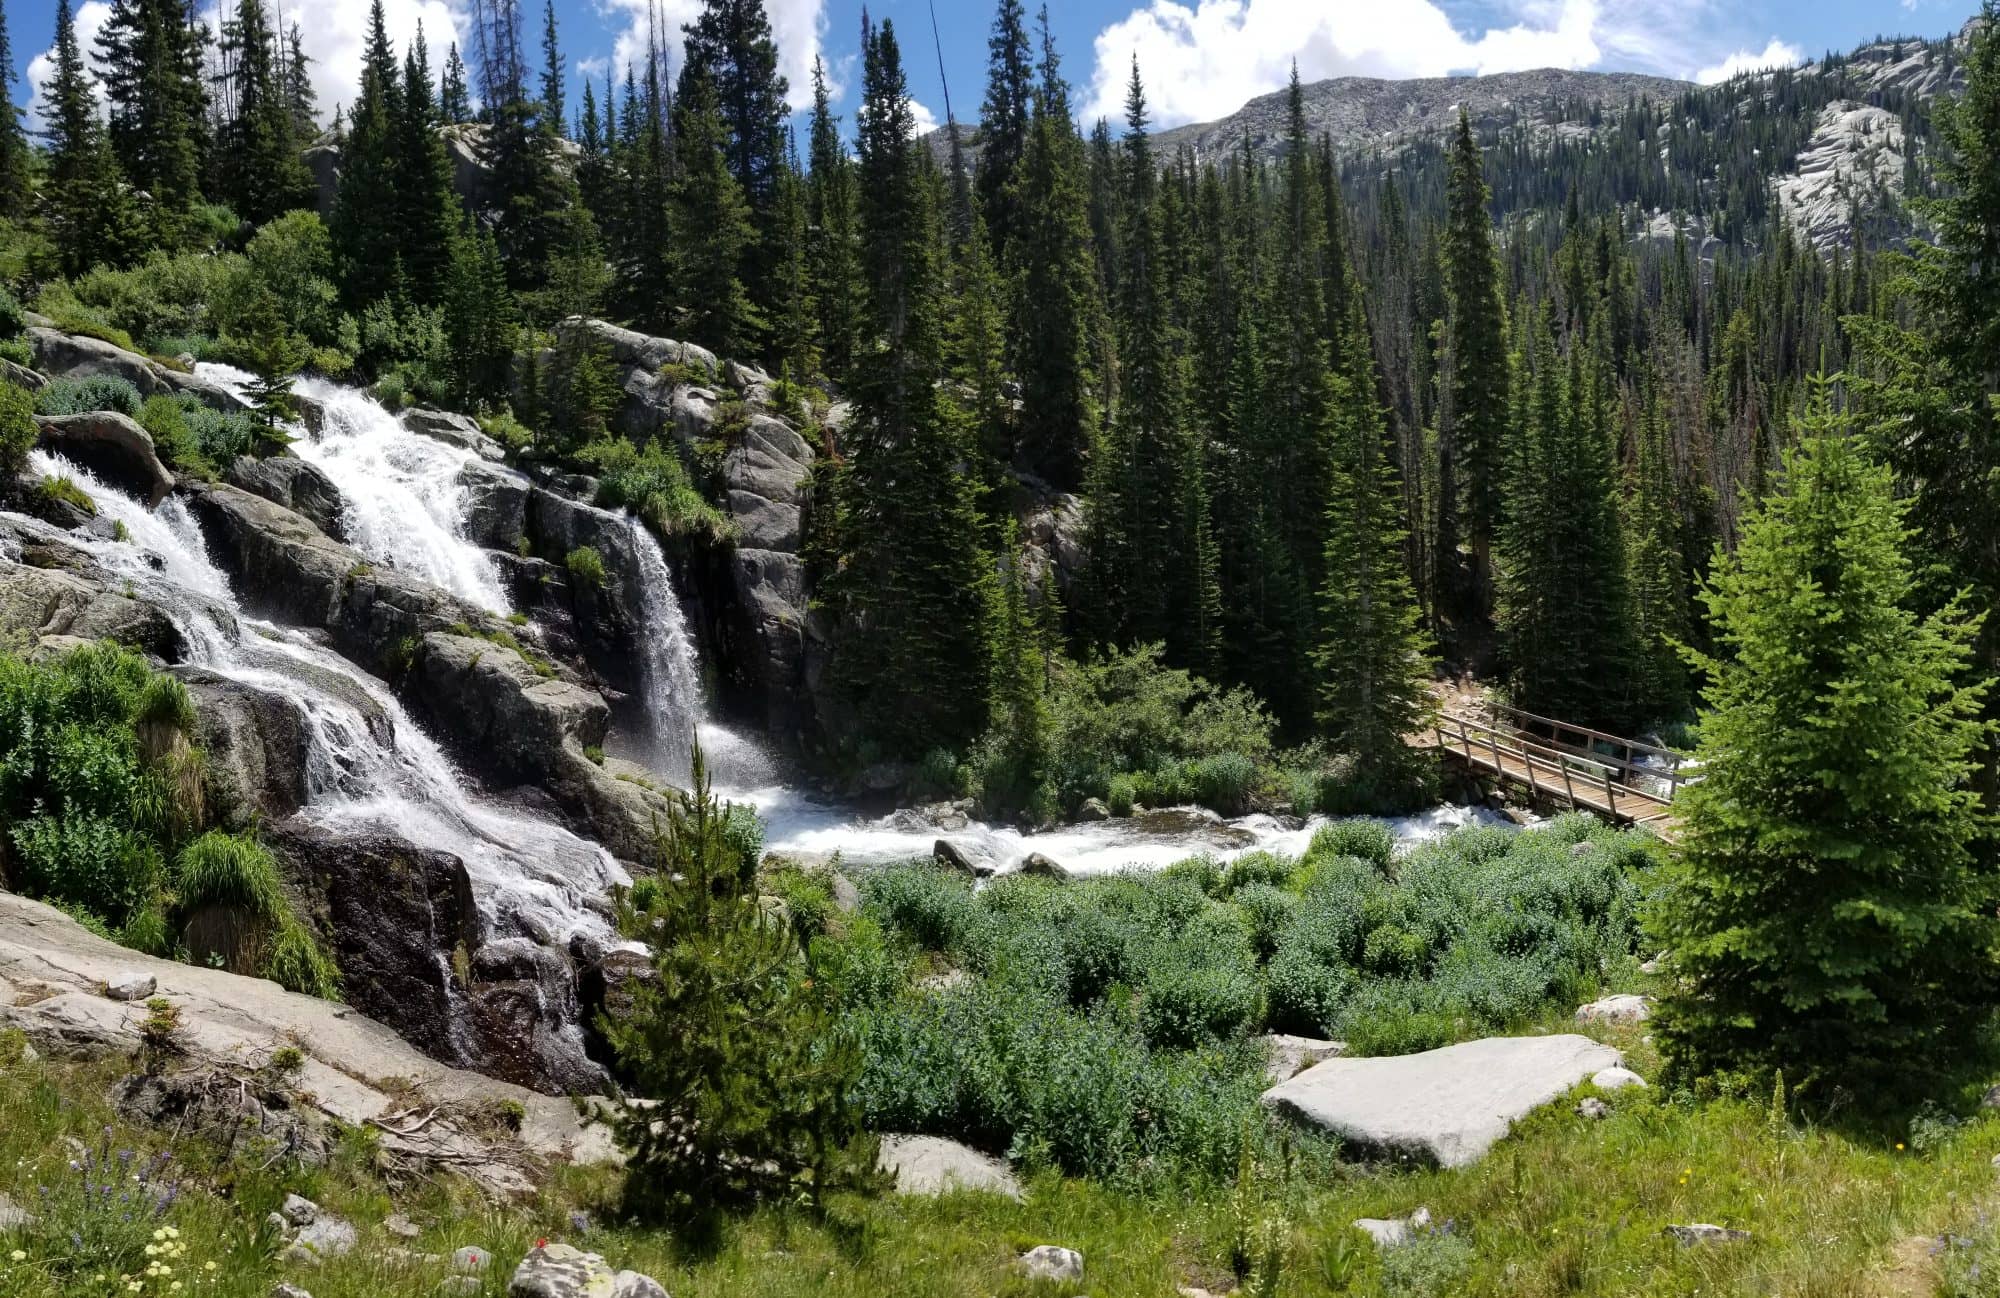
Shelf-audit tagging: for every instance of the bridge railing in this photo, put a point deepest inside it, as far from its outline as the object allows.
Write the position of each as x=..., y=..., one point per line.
x=1581, y=781
x=1668, y=768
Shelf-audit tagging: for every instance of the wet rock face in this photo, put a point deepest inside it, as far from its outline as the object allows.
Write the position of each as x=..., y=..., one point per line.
x=112, y=446
x=44, y=606
x=256, y=743
x=294, y=483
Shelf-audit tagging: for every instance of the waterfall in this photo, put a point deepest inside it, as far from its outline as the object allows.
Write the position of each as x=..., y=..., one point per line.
x=668, y=676
x=529, y=877
x=401, y=501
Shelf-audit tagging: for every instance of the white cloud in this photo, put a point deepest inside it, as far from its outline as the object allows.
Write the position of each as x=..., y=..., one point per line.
x=1204, y=62
x=927, y=121
x=798, y=27
x=334, y=36
x=1775, y=54
x=90, y=19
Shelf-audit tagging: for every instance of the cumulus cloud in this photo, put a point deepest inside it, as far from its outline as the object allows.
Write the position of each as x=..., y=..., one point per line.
x=1204, y=61
x=90, y=19
x=927, y=121
x=798, y=27
x=334, y=36
x=1775, y=54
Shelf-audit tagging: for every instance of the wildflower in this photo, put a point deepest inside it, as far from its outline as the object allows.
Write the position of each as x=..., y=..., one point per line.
x=18, y=1255
x=209, y=1265
x=1899, y=1146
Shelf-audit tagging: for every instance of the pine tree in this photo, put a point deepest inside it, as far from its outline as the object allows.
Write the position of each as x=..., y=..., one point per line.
x=1020, y=724
x=454, y=100
x=367, y=245
x=918, y=582
x=794, y=315
x=1472, y=432
x=552, y=70
x=89, y=213
x=299, y=95
x=426, y=207
x=714, y=220
x=263, y=173
x=1826, y=910
x=1004, y=120
x=15, y=193
x=1657, y=569
x=1373, y=657
x=834, y=270
x=978, y=354
x=480, y=322
x=274, y=354
x=152, y=84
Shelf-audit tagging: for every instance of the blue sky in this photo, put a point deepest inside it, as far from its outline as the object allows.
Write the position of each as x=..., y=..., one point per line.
x=1201, y=58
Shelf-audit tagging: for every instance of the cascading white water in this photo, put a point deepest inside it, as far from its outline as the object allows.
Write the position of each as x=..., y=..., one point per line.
x=401, y=500
x=528, y=876
x=668, y=676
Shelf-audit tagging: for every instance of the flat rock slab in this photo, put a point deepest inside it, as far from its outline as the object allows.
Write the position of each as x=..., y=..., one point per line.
x=1446, y=1106
x=933, y=1165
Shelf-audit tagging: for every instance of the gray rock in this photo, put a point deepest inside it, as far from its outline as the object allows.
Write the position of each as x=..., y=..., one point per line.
x=256, y=743
x=462, y=431
x=401, y=1227
x=1093, y=809
x=1448, y=1106
x=298, y=485
x=325, y=1237
x=931, y=1165
x=1592, y=1107
x=495, y=511
x=495, y=703
x=1991, y=1100
x=1287, y=1056
x=42, y=605
x=288, y=1291
x=1616, y=1079
x=299, y=1210
x=560, y=1271
x=846, y=896
x=1702, y=1232
x=22, y=377
x=112, y=446
x=130, y=985
x=1393, y=1232
x=965, y=857
x=1042, y=867
x=1051, y=1263
x=631, y=1284
x=1616, y=1009
x=471, y=1259
x=13, y=1216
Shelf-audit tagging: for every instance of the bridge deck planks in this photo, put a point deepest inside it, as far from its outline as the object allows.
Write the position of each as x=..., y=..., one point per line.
x=1515, y=761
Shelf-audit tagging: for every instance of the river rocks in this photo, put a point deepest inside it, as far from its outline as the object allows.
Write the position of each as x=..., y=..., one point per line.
x=1093, y=809
x=495, y=510
x=1051, y=1263
x=256, y=746
x=495, y=704
x=1041, y=867
x=930, y=1165
x=462, y=431
x=296, y=484
x=130, y=985
x=964, y=856
x=113, y=447
x=45, y=604
x=1616, y=1010
x=50, y=967
x=1447, y=1106
x=1287, y=1056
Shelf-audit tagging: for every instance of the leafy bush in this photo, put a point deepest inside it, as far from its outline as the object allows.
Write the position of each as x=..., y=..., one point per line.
x=1189, y=1002
x=1369, y=840
x=653, y=484
x=586, y=567
x=12, y=321
x=106, y=1211
x=17, y=430
x=81, y=396
x=54, y=489
x=193, y=437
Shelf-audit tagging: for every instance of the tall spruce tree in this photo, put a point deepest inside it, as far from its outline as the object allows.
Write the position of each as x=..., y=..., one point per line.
x=1373, y=657
x=15, y=193
x=834, y=268
x=730, y=44
x=552, y=69
x=1657, y=580
x=89, y=213
x=1825, y=906
x=425, y=205
x=152, y=77
x=263, y=173
x=917, y=584
x=714, y=220
x=299, y=94
x=1472, y=426
x=1004, y=120
x=368, y=247
x=454, y=98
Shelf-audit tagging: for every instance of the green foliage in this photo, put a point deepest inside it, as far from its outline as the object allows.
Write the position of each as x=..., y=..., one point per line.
x=193, y=437
x=652, y=482
x=18, y=432
x=57, y=490
x=12, y=322
x=1840, y=745
x=81, y=396
x=1431, y=1264
x=586, y=567
x=733, y=1038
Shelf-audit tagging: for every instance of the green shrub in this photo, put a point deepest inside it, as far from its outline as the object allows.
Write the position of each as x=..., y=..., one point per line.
x=18, y=432
x=653, y=484
x=1432, y=1263
x=71, y=318
x=57, y=490
x=223, y=870
x=297, y=962
x=1369, y=840
x=1120, y=795
x=12, y=320
x=1188, y=1004
x=1256, y=867
x=586, y=567
x=81, y=396
x=19, y=351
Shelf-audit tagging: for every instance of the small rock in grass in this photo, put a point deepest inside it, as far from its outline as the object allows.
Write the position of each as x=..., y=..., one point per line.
x=402, y=1227
x=1592, y=1107
x=631, y=1284
x=28, y=1054
x=1991, y=1100
x=288, y=1291
x=324, y=1237
x=471, y=1259
x=299, y=1211
x=1393, y=1232
x=130, y=985
x=1041, y=867
x=13, y=1216
x=1616, y=1079
x=1702, y=1232
x=1616, y=1009
x=1050, y=1262
x=1286, y=1056
x=560, y=1271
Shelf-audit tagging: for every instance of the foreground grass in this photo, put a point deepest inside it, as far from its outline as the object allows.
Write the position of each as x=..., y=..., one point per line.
x=1565, y=1206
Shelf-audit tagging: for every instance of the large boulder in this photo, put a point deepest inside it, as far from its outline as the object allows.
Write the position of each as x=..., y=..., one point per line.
x=112, y=446
x=453, y=429
x=40, y=605
x=765, y=477
x=930, y=1165
x=257, y=744
x=298, y=485
x=496, y=703
x=495, y=509
x=76, y=356
x=1444, y=1106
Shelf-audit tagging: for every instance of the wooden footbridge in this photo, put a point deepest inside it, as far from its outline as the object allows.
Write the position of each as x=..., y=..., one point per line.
x=1624, y=780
